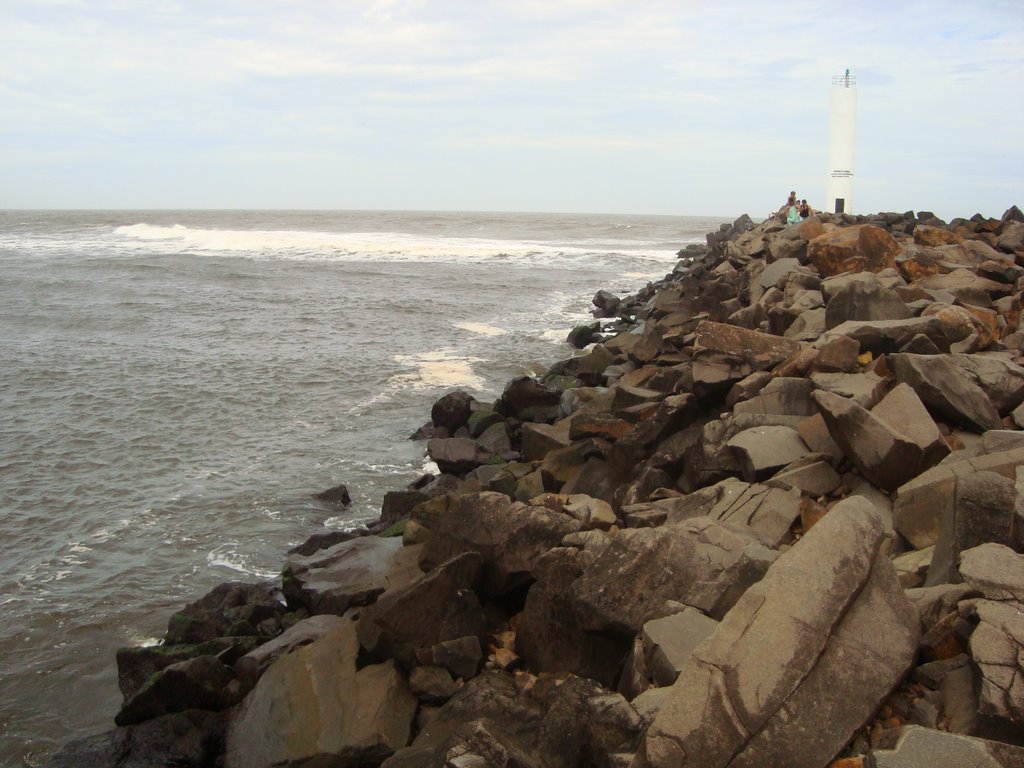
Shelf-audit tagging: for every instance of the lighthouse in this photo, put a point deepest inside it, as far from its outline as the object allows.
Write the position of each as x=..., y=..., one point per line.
x=842, y=124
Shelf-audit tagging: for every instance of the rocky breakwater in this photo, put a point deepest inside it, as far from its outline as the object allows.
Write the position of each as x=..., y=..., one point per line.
x=772, y=515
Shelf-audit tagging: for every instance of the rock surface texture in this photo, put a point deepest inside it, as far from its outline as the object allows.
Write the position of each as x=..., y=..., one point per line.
x=769, y=513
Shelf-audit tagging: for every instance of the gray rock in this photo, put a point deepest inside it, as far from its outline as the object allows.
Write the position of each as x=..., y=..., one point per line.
x=923, y=503
x=315, y=706
x=838, y=355
x=815, y=479
x=994, y=570
x=865, y=389
x=862, y=296
x=883, y=336
x=982, y=511
x=249, y=668
x=947, y=388
x=406, y=623
x=782, y=395
x=550, y=636
x=698, y=562
x=669, y=642
x=884, y=454
x=916, y=747
x=351, y=573
x=997, y=649
x=767, y=512
x=508, y=535
x=763, y=450
x=774, y=685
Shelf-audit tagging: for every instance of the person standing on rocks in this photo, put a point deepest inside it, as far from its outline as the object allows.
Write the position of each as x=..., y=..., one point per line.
x=790, y=202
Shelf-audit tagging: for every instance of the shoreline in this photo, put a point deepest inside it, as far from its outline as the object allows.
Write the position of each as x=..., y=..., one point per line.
x=718, y=415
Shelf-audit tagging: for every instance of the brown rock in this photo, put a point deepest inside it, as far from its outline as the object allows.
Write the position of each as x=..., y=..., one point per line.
x=861, y=248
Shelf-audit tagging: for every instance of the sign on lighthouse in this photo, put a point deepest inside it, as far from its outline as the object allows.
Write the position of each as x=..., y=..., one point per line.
x=842, y=124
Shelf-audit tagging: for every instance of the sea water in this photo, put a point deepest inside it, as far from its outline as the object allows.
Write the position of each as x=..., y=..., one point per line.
x=175, y=385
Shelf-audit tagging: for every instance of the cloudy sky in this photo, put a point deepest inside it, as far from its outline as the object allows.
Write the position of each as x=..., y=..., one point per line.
x=637, y=106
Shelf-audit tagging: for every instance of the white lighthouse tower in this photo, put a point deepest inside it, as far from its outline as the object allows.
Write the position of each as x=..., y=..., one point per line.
x=842, y=125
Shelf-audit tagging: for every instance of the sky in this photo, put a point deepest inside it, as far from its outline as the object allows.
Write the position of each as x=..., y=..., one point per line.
x=604, y=106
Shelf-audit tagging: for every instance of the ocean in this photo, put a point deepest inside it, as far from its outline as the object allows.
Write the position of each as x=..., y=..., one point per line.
x=175, y=386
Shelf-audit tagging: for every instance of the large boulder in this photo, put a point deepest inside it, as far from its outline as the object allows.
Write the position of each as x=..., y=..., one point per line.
x=862, y=297
x=193, y=739
x=550, y=636
x=452, y=410
x=982, y=511
x=642, y=573
x=347, y=574
x=229, y=609
x=927, y=503
x=767, y=512
x=317, y=706
x=763, y=450
x=915, y=746
x=997, y=643
x=508, y=535
x=407, y=623
x=945, y=387
x=203, y=682
x=568, y=722
x=774, y=684
x=861, y=248
x=889, y=447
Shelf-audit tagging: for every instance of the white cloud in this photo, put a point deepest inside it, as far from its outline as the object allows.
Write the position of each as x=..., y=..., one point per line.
x=737, y=90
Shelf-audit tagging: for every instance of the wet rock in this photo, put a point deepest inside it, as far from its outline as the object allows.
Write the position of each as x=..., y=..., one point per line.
x=229, y=609
x=137, y=665
x=199, y=683
x=772, y=685
x=337, y=495
x=192, y=739
x=529, y=400
x=331, y=580
x=452, y=410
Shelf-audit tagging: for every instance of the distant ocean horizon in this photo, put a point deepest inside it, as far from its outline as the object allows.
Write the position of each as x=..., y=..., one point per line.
x=177, y=384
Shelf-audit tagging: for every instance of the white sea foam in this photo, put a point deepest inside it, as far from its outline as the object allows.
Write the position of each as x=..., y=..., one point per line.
x=439, y=368
x=485, y=330
x=378, y=246
x=226, y=556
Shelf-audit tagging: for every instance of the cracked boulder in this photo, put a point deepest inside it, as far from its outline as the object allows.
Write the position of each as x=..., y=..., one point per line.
x=997, y=643
x=890, y=444
x=776, y=683
x=643, y=574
